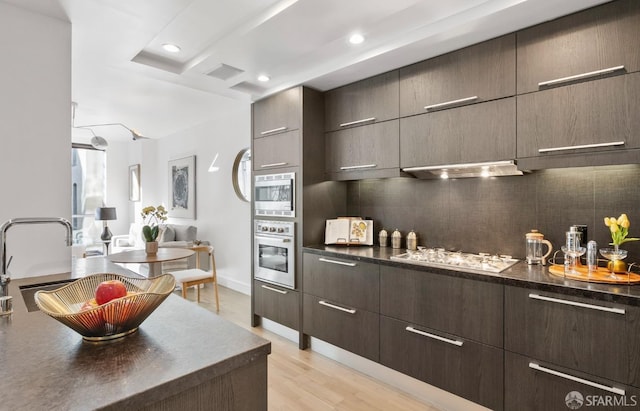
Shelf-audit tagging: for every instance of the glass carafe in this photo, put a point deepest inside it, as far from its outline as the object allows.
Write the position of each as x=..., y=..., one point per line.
x=535, y=244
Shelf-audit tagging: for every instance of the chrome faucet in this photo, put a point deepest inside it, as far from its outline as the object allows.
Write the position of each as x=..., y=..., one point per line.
x=4, y=276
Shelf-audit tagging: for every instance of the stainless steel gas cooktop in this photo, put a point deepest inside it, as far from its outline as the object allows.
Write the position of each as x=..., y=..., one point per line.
x=456, y=260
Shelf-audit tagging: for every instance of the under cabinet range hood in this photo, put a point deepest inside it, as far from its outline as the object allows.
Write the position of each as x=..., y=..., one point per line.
x=488, y=169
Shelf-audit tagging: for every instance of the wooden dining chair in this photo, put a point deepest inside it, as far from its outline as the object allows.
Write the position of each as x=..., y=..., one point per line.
x=197, y=276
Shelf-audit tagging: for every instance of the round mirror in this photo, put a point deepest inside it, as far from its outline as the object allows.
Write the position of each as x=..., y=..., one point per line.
x=242, y=175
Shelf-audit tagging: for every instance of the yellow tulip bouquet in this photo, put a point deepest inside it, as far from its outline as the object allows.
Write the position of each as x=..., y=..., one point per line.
x=619, y=228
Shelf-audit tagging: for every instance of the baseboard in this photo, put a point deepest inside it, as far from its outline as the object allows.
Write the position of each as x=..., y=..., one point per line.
x=233, y=284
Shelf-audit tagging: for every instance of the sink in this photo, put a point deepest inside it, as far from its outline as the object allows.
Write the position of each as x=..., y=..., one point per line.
x=28, y=291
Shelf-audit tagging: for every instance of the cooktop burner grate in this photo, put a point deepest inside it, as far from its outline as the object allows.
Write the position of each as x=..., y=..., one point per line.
x=457, y=260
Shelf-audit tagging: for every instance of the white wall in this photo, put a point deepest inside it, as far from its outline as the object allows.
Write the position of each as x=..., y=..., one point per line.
x=35, y=142
x=221, y=217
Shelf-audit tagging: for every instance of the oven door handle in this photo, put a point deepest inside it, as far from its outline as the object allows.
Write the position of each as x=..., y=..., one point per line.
x=275, y=239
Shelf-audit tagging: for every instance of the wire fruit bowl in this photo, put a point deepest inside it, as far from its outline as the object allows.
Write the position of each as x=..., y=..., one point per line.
x=115, y=319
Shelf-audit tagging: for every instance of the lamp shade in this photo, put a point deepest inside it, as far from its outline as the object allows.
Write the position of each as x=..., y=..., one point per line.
x=105, y=213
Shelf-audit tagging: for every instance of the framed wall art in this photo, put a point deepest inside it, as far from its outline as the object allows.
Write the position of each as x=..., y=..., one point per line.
x=182, y=188
x=134, y=182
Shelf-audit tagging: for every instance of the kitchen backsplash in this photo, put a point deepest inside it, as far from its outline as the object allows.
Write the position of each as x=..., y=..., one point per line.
x=493, y=215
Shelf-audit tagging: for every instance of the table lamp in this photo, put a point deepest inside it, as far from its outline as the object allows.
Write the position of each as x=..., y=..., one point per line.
x=105, y=214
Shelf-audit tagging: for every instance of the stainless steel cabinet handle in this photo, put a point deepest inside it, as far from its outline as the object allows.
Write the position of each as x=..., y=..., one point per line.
x=576, y=379
x=580, y=76
x=351, y=123
x=577, y=304
x=275, y=130
x=451, y=103
x=346, y=168
x=435, y=337
x=335, y=307
x=266, y=287
x=325, y=260
x=594, y=145
x=273, y=165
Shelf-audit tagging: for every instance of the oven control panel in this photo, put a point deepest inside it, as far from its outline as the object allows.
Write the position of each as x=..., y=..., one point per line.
x=279, y=228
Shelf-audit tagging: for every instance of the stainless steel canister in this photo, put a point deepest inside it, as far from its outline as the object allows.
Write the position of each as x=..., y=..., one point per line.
x=412, y=241
x=383, y=237
x=396, y=239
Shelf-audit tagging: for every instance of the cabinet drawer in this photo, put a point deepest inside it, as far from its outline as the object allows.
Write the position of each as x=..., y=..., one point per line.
x=278, y=113
x=465, y=368
x=476, y=133
x=345, y=326
x=344, y=281
x=367, y=148
x=534, y=385
x=276, y=151
x=600, y=112
x=595, y=39
x=592, y=336
x=277, y=304
x=364, y=102
x=485, y=71
x=468, y=308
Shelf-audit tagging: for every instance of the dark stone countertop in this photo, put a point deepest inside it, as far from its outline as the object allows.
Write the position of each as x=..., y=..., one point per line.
x=47, y=366
x=520, y=275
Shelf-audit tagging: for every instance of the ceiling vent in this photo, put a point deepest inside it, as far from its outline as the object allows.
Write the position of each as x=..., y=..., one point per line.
x=247, y=87
x=225, y=72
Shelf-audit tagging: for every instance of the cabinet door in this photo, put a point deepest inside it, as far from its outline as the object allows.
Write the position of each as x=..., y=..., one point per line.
x=481, y=72
x=363, y=102
x=599, y=38
x=465, y=368
x=599, y=338
x=367, y=148
x=277, y=304
x=532, y=385
x=595, y=116
x=476, y=133
x=468, y=308
x=276, y=151
x=345, y=326
x=277, y=114
x=344, y=281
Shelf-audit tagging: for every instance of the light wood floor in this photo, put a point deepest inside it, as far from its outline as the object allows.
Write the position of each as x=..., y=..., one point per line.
x=301, y=380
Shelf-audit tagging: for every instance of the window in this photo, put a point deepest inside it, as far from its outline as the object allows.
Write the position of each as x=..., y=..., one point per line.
x=88, y=191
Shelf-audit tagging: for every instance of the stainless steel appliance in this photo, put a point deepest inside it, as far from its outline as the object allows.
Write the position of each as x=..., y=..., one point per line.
x=274, y=195
x=440, y=258
x=274, y=252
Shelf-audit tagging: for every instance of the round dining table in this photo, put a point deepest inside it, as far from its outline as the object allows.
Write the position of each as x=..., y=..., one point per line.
x=154, y=261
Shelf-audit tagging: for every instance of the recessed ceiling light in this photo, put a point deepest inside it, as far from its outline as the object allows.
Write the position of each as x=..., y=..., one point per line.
x=171, y=48
x=356, y=38
x=263, y=78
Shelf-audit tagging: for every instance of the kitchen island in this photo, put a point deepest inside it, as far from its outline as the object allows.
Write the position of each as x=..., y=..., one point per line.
x=181, y=357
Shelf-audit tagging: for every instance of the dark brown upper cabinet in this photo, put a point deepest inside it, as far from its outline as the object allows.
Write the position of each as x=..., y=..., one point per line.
x=370, y=151
x=364, y=102
x=597, y=42
x=596, y=116
x=476, y=133
x=277, y=151
x=481, y=72
x=279, y=113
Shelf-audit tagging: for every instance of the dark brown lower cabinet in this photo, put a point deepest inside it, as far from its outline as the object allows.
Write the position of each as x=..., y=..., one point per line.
x=597, y=337
x=534, y=385
x=277, y=303
x=471, y=370
x=353, y=329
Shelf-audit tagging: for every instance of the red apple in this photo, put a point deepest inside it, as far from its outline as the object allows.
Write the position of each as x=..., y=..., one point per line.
x=109, y=290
